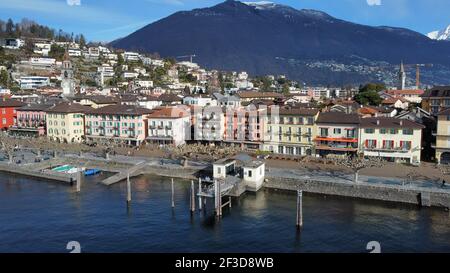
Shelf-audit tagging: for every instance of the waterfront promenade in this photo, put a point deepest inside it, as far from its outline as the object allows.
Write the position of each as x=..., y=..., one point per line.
x=416, y=191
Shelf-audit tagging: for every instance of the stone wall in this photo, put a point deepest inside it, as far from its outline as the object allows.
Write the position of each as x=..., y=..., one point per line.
x=363, y=191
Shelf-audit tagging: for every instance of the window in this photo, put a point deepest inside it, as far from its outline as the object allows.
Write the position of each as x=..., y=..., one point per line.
x=371, y=144
x=405, y=145
x=3, y=111
x=249, y=173
x=369, y=130
x=337, y=131
x=383, y=131
x=351, y=133
x=218, y=170
x=388, y=144
x=323, y=132
x=393, y=131
x=408, y=132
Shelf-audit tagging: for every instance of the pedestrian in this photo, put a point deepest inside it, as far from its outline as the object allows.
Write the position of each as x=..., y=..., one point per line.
x=443, y=183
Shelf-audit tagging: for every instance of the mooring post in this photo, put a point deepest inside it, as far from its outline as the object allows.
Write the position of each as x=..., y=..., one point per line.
x=220, y=199
x=199, y=193
x=128, y=189
x=192, y=197
x=229, y=201
x=79, y=177
x=299, y=209
x=173, y=201
x=216, y=199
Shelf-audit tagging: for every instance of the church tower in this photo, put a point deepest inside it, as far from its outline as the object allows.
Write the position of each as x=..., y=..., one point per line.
x=401, y=78
x=67, y=83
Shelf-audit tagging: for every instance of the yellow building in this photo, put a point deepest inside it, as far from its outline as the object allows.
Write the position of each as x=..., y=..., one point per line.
x=65, y=122
x=436, y=99
x=442, y=134
x=291, y=131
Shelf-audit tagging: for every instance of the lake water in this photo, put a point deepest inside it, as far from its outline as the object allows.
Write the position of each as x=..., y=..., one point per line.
x=39, y=216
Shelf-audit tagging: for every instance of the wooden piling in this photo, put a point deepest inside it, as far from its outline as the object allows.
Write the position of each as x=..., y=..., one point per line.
x=173, y=193
x=219, y=191
x=199, y=192
x=299, y=208
x=192, y=197
x=229, y=201
x=128, y=189
x=79, y=178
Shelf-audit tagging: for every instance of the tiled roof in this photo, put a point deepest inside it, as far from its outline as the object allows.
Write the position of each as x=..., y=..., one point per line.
x=119, y=109
x=338, y=118
x=169, y=112
x=437, y=91
x=11, y=103
x=68, y=107
x=389, y=123
x=255, y=94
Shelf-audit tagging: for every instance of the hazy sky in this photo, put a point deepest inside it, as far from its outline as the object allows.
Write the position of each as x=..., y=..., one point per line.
x=106, y=20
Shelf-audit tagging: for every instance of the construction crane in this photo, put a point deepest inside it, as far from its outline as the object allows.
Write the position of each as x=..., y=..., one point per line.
x=418, y=66
x=188, y=56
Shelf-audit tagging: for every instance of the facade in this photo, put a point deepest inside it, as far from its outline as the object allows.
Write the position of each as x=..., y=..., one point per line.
x=245, y=126
x=392, y=139
x=169, y=126
x=337, y=134
x=442, y=134
x=67, y=81
x=119, y=123
x=248, y=96
x=199, y=100
x=292, y=133
x=33, y=82
x=411, y=95
x=31, y=120
x=65, y=122
x=436, y=99
x=8, y=112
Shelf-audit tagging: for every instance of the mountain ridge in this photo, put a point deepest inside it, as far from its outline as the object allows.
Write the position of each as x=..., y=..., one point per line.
x=280, y=40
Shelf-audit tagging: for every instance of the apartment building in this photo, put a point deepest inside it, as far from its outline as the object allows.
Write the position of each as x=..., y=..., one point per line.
x=33, y=82
x=292, y=131
x=169, y=126
x=31, y=120
x=442, y=134
x=121, y=123
x=8, y=112
x=436, y=99
x=65, y=122
x=396, y=140
x=337, y=134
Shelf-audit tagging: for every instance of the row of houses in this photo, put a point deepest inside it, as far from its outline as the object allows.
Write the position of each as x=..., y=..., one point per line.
x=286, y=130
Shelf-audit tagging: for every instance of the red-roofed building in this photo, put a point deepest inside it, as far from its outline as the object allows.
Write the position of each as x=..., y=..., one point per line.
x=413, y=96
x=169, y=125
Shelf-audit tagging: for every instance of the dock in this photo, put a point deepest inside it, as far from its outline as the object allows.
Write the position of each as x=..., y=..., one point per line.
x=39, y=174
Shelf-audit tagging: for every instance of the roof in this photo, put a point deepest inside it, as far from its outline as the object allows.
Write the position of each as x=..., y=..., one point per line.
x=256, y=94
x=11, y=103
x=169, y=112
x=393, y=100
x=389, y=123
x=68, y=107
x=338, y=118
x=119, y=109
x=35, y=107
x=169, y=98
x=100, y=99
x=437, y=91
x=298, y=111
x=405, y=92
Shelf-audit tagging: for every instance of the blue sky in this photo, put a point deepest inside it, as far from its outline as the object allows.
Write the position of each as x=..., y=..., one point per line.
x=105, y=20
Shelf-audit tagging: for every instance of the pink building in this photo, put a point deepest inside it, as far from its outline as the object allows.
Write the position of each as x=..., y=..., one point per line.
x=120, y=123
x=245, y=125
x=30, y=120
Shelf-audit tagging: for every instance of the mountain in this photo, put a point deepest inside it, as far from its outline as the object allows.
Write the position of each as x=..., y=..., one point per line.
x=440, y=34
x=307, y=45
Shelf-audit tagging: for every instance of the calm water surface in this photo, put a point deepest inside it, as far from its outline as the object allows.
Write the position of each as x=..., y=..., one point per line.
x=39, y=216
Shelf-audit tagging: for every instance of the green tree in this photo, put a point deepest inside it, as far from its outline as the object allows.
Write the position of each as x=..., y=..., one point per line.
x=57, y=52
x=3, y=78
x=368, y=94
x=82, y=41
x=285, y=88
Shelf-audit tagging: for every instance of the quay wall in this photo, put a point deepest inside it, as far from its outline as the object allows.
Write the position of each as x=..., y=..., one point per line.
x=36, y=174
x=363, y=191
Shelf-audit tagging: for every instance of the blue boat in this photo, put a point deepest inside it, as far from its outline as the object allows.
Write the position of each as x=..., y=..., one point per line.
x=91, y=172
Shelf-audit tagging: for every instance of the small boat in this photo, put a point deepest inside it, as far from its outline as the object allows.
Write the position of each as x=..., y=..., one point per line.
x=90, y=172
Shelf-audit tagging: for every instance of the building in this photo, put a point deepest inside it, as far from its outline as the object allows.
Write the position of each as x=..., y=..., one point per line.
x=31, y=120
x=33, y=82
x=245, y=126
x=131, y=56
x=12, y=43
x=67, y=78
x=411, y=95
x=396, y=140
x=227, y=100
x=8, y=112
x=436, y=99
x=401, y=78
x=248, y=96
x=96, y=101
x=120, y=123
x=292, y=132
x=337, y=134
x=65, y=122
x=169, y=126
x=442, y=134
x=199, y=100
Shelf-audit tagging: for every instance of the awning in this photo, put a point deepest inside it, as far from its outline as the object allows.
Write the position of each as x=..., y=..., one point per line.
x=348, y=140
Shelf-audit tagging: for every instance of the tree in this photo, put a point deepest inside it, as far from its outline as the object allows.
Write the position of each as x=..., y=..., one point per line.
x=356, y=164
x=3, y=78
x=285, y=89
x=82, y=41
x=9, y=27
x=368, y=94
x=8, y=145
x=57, y=52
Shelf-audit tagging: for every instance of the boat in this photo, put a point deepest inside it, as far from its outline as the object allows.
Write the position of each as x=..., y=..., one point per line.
x=90, y=172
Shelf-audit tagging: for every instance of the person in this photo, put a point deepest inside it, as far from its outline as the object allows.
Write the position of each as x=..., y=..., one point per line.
x=443, y=183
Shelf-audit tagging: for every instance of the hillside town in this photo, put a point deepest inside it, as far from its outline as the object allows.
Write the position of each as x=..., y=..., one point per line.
x=72, y=92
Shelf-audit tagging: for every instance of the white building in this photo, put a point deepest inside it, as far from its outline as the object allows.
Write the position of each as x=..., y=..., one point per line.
x=129, y=56
x=44, y=62
x=42, y=48
x=12, y=43
x=33, y=82
x=199, y=100
x=143, y=84
x=74, y=52
x=169, y=126
x=129, y=75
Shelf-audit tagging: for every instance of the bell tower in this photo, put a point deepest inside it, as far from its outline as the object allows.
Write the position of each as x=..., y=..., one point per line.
x=67, y=80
